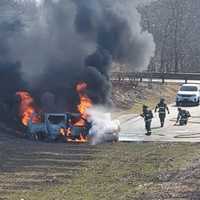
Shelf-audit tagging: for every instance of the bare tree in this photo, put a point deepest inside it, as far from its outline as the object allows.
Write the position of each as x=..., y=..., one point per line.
x=175, y=27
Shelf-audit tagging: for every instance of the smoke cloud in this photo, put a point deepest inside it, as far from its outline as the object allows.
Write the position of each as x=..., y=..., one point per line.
x=57, y=43
x=103, y=129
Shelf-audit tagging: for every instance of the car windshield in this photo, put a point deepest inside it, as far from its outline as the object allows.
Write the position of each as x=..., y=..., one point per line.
x=189, y=88
x=53, y=119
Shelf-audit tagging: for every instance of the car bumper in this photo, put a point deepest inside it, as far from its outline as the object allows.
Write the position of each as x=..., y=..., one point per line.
x=190, y=100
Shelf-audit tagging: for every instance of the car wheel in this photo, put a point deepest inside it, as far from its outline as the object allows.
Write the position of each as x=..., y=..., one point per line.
x=198, y=102
x=34, y=137
x=177, y=104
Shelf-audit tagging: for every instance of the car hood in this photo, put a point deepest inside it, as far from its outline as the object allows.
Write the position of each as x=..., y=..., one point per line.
x=188, y=93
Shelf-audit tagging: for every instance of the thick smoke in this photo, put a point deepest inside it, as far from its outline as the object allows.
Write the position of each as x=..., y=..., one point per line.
x=103, y=127
x=57, y=43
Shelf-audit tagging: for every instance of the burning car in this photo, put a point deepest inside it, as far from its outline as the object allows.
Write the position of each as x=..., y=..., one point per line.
x=55, y=126
x=83, y=126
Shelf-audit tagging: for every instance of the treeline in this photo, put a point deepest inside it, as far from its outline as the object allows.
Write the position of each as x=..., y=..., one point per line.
x=175, y=25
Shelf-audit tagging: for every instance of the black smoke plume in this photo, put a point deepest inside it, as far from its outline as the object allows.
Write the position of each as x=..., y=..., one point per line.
x=49, y=46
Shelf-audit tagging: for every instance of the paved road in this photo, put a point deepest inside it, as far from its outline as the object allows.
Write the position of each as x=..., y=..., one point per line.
x=132, y=128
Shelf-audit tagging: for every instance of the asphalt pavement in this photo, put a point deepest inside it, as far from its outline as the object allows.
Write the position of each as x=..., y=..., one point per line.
x=132, y=127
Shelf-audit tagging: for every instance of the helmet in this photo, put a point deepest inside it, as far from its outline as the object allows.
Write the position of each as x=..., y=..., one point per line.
x=162, y=100
x=179, y=109
x=145, y=106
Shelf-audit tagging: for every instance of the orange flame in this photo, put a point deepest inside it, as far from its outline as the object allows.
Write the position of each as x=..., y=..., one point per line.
x=27, y=108
x=83, y=139
x=85, y=103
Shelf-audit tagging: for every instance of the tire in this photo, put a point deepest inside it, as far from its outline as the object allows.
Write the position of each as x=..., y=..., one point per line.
x=41, y=136
x=177, y=104
x=33, y=137
x=197, y=104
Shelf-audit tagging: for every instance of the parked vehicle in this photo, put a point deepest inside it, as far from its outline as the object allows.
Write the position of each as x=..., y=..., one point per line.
x=188, y=94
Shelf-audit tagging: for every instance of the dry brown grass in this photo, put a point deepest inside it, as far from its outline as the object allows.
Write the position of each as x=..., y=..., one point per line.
x=147, y=96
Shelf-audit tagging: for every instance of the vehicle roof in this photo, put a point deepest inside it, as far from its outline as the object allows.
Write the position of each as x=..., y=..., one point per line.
x=56, y=114
x=62, y=114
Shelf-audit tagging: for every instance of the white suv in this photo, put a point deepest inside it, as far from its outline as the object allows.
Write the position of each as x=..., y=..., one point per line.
x=188, y=94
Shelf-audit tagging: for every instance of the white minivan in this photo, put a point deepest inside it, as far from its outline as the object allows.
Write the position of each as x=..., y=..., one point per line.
x=188, y=94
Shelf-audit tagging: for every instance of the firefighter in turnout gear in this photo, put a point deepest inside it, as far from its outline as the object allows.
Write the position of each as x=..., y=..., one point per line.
x=162, y=108
x=182, y=117
x=148, y=116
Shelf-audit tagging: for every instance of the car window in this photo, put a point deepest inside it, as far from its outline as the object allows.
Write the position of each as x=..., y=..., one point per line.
x=189, y=88
x=56, y=119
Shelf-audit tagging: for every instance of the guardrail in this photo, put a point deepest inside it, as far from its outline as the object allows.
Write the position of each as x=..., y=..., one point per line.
x=131, y=76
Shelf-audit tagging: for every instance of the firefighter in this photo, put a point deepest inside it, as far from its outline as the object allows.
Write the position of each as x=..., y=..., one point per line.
x=162, y=108
x=182, y=117
x=148, y=116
